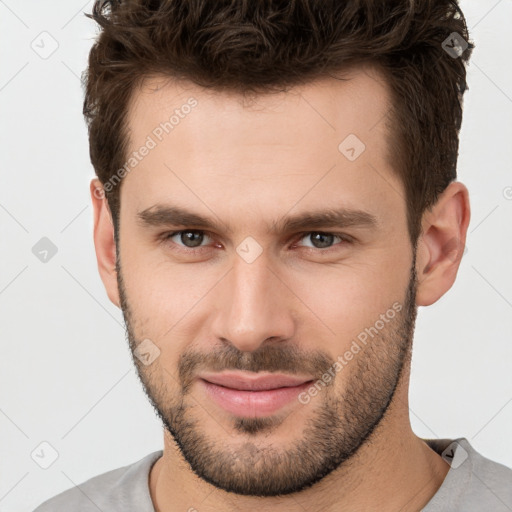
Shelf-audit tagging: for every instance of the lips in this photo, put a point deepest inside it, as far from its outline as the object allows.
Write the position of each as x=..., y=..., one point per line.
x=252, y=395
x=255, y=382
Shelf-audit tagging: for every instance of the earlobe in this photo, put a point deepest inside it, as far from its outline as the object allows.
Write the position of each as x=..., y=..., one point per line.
x=441, y=244
x=104, y=241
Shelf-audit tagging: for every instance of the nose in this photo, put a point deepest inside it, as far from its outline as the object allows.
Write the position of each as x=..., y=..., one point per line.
x=254, y=306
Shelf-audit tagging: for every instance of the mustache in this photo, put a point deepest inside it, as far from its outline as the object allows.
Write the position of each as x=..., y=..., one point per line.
x=267, y=358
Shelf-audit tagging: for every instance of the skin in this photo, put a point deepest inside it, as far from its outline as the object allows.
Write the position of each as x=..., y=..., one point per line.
x=246, y=165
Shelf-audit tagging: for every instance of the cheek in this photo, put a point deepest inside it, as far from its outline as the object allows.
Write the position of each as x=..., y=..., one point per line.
x=346, y=299
x=171, y=301
x=164, y=297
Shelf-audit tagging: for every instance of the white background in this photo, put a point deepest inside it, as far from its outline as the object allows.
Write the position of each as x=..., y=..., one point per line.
x=65, y=369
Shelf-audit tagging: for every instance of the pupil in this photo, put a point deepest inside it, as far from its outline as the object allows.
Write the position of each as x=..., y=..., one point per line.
x=315, y=238
x=185, y=238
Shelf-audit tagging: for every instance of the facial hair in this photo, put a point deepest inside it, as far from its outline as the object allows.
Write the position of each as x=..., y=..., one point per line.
x=341, y=422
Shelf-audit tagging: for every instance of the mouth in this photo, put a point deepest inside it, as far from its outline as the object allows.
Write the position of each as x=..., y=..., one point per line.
x=253, y=395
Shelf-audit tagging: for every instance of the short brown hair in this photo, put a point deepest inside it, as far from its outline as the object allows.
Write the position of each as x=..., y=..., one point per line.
x=258, y=46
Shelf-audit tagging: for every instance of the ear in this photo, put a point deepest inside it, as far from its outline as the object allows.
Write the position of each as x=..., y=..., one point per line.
x=441, y=243
x=104, y=241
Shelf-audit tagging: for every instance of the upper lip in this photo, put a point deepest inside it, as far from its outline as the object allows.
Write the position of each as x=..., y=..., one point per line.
x=254, y=381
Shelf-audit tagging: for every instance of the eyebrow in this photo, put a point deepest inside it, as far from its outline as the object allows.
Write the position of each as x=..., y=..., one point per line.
x=161, y=215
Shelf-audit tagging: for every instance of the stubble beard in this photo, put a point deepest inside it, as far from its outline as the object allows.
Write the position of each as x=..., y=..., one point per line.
x=338, y=425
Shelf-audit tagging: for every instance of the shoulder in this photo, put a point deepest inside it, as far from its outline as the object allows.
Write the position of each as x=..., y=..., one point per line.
x=490, y=474
x=473, y=483
x=122, y=489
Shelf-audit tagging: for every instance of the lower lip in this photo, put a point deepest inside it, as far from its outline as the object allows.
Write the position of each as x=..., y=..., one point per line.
x=252, y=404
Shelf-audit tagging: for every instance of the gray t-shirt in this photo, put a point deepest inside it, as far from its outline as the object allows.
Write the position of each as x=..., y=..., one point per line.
x=473, y=483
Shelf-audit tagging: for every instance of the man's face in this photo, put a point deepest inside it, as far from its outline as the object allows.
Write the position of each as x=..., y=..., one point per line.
x=329, y=304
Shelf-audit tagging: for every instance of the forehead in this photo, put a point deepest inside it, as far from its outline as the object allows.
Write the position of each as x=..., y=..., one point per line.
x=264, y=152
x=356, y=102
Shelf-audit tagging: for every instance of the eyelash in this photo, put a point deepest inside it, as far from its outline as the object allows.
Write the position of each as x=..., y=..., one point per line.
x=345, y=239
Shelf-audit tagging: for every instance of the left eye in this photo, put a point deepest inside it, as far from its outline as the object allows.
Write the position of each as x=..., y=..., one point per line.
x=323, y=240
